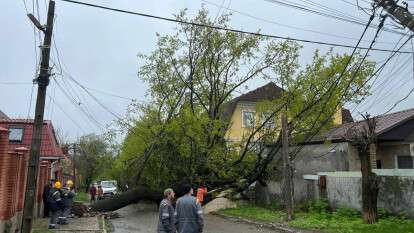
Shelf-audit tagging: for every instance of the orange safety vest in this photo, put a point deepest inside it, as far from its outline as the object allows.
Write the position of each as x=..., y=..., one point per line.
x=201, y=192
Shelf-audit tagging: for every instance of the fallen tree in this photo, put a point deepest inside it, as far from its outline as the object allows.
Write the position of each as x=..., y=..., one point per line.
x=180, y=136
x=129, y=197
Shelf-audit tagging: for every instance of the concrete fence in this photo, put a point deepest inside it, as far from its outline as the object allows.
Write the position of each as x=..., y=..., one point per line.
x=343, y=189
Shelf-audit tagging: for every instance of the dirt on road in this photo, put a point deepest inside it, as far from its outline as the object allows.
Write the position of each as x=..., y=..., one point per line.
x=143, y=218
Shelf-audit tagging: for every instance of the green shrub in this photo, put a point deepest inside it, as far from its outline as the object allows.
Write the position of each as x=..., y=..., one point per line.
x=348, y=212
x=275, y=205
x=319, y=206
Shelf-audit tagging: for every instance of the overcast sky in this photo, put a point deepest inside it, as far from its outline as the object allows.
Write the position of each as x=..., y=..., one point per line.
x=99, y=49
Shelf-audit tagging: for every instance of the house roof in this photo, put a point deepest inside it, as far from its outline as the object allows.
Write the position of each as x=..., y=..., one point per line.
x=3, y=115
x=49, y=147
x=384, y=123
x=269, y=91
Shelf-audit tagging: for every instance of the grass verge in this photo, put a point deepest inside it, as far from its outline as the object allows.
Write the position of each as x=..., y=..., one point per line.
x=342, y=221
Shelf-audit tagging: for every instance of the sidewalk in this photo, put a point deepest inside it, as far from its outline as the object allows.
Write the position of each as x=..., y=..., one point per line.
x=76, y=225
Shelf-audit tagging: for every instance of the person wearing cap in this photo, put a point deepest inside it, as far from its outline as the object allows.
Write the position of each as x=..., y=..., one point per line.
x=166, y=223
x=54, y=201
x=68, y=194
x=188, y=213
x=45, y=194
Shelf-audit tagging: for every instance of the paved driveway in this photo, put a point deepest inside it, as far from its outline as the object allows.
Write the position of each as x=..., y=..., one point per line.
x=142, y=218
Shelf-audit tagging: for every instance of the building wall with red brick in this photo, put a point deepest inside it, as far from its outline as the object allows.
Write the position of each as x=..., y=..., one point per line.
x=5, y=160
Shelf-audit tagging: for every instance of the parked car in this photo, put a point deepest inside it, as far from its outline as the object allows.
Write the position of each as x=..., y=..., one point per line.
x=109, y=188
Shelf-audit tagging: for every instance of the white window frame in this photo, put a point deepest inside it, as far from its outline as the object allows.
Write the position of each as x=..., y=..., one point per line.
x=16, y=128
x=396, y=161
x=254, y=119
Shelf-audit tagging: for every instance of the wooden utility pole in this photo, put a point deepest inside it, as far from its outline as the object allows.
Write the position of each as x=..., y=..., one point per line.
x=42, y=81
x=287, y=189
x=400, y=13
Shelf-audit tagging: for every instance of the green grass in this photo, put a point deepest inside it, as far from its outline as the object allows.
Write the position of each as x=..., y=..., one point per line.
x=41, y=225
x=82, y=197
x=342, y=221
x=255, y=213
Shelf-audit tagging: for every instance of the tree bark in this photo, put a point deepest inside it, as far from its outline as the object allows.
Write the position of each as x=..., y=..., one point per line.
x=129, y=197
x=369, y=188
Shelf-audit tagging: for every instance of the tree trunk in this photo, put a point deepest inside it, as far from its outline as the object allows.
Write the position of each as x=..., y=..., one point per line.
x=369, y=189
x=129, y=197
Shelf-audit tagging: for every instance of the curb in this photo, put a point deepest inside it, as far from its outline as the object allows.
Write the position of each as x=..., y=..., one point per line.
x=271, y=226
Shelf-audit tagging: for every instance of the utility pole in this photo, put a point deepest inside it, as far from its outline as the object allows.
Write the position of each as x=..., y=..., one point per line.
x=42, y=81
x=287, y=190
x=400, y=13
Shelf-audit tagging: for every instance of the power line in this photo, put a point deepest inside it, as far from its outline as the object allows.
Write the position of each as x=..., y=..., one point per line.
x=66, y=114
x=289, y=26
x=333, y=16
x=228, y=29
x=30, y=102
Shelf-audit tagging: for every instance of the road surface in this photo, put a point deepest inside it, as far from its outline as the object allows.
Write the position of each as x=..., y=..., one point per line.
x=142, y=218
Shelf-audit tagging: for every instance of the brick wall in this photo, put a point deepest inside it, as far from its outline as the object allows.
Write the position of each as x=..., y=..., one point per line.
x=22, y=177
x=13, y=178
x=4, y=163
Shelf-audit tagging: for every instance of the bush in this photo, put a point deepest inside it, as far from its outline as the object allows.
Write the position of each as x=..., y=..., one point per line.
x=319, y=206
x=348, y=212
x=275, y=205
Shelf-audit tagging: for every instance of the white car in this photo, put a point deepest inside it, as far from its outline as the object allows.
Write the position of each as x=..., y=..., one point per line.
x=109, y=188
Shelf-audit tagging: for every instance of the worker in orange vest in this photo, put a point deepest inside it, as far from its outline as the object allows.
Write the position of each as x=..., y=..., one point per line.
x=201, y=192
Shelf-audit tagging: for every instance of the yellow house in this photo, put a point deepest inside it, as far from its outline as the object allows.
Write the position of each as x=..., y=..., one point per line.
x=242, y=111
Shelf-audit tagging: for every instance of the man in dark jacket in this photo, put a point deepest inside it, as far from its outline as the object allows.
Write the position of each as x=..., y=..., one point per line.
x=188, y=213
x=54, y=201
x=166, y=223
x=68, y=194
x=45, y=193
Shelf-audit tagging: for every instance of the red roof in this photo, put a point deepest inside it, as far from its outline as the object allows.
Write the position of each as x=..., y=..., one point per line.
x=49, y=146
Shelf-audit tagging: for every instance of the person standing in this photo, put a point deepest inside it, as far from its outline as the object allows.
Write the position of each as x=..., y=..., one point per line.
x=166, y=221
x=188, y=213
x=45, y=194
x=99, y=192
x=201, y=192
x=68, y=194
x=92, y=192
x=54, y=201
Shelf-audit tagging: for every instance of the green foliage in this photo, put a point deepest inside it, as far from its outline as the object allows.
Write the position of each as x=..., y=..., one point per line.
x=82, y=197
x=318, y=207
x=93, y=159
x=180, y=135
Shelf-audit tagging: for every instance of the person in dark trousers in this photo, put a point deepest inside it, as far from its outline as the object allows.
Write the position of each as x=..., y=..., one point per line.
x=45, y=193
x=68, y=194
x=92, y=192
x=55, y=204
x=99, y=193
x=166, y=220
x=188, y=213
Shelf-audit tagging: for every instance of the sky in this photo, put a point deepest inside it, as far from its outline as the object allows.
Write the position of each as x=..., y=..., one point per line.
x=99, y=48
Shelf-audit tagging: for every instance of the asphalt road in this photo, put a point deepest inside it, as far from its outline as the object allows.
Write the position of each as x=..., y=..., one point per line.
x=142, y=218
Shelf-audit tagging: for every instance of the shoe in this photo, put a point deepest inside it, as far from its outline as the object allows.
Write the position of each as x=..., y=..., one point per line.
x=52, y=227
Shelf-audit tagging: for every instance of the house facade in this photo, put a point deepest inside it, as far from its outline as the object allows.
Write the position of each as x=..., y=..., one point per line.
x=15, y=143
x=244, y=112
x=332, y=152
